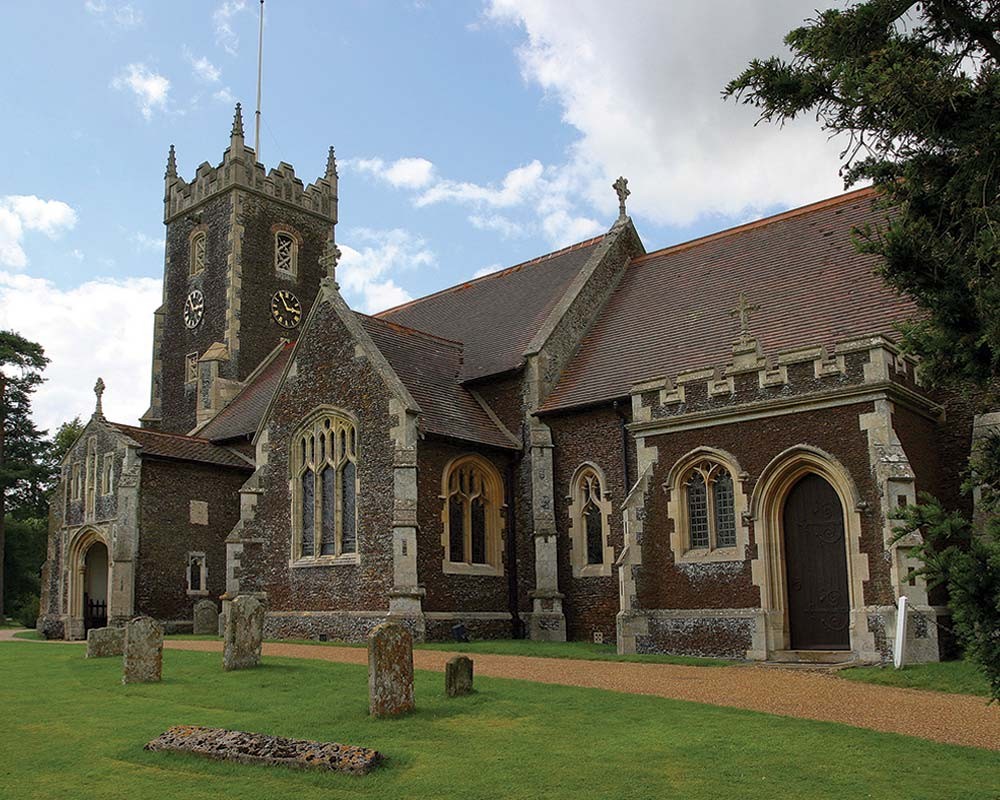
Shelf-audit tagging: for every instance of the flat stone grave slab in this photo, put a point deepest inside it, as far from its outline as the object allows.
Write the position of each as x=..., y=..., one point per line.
x=260, y=748
x=105, y=642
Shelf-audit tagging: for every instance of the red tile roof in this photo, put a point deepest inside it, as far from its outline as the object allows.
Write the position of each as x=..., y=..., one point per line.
x=496, y=316
x=670, y=313
x=242, y=416
x=182, y=448
x=429, y=367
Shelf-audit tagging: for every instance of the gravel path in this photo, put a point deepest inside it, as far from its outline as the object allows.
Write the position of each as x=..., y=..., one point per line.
x=949, y=718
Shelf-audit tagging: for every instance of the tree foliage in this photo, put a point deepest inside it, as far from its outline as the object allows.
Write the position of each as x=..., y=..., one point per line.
x=913, y=90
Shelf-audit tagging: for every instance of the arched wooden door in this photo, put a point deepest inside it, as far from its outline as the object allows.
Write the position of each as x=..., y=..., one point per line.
x=816, y=567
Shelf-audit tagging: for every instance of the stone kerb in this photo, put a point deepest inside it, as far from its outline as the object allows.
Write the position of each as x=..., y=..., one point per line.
x=105, y=642
x=244, y=633
x=458, y=676
x=206, y=618
x=390, y=670
x=143, y=651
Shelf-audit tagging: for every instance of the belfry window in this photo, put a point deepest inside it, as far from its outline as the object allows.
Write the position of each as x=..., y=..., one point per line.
x=710, y=506
x=589, y=514
x=473, y=499
x=285, y=253
x=324, y=489
x=198, y=247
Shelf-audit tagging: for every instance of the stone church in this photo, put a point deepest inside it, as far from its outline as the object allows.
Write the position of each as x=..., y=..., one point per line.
x=690, y=450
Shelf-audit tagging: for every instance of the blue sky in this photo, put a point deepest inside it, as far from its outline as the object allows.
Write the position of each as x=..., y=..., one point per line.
x=470, y=136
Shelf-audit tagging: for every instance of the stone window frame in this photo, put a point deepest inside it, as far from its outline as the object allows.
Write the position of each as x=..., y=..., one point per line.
x=76, y=489
x=281, y=230
x=315, y=435
x=191, y=368
x=90, y=477
x=492, y=487
x=589, y=472
x=199, y=558
x=704, y=459
x=107, y=473
x=197, y=250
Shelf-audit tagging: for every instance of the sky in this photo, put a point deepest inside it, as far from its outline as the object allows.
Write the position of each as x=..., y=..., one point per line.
x=470, y=136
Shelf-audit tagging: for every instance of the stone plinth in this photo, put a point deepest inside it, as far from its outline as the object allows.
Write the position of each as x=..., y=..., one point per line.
x=259, y=748
x=206, y=618
x=143, y=652
x=244, y=633
x=458, y=676
x=105, y=642
x=390, y=670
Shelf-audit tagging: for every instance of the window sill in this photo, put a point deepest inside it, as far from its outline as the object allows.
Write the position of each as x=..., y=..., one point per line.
x=197, y=592
x=461, y=568
x=345, y=559
x=592, y=571
x=703, y=555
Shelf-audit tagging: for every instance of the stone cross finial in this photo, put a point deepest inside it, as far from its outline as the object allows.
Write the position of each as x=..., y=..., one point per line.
x=331, y=165
x=171, y=164
x=743, y=310
x=621, y=189
x=99, y=391
x=237, y=123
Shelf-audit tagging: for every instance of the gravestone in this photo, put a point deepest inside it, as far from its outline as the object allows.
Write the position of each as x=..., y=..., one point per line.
x=458, y=676
x=206, y=618
x=244, y=633
x=143, y=657
x=390, y=670
x=105, y=642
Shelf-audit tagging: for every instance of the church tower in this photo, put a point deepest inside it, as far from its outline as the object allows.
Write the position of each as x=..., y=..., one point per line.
x=243, y=262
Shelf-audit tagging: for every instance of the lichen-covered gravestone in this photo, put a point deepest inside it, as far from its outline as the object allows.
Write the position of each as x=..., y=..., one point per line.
x=206, y=618
x=390, y=670
x=105, y=642
x=458, y=676
x=143, y=659
x=244, y=633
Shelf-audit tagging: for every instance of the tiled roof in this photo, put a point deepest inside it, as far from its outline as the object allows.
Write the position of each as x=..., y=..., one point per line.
x=242, y=416
x=429, y=368
x=670, y=313
x=496, y=316
x=183, y=448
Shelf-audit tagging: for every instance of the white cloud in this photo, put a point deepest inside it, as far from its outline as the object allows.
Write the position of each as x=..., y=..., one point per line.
x=369, y=264
x=404, y=173
x=20, y=213
x=516, y=186
x=145, y=242
x=225, y=36
x=487, y=270
x=224, y=95
x=102, y=328
x=150, y=88
x=203, y=69
x=644, y=95
x=505, y=226
x=123, y=15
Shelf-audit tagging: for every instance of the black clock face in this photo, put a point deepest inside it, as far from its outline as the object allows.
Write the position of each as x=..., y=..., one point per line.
x=194, y=309
x=285, y=308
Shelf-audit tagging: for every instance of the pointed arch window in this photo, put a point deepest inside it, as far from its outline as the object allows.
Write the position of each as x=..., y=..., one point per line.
x=590, y=511
x=472, y=513
x=198, y=251
x=324, y=490
x=710, y=505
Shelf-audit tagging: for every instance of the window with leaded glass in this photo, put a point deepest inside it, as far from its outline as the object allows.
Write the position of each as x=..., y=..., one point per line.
x=473, y=498
x=198, y=249
x=325, y=477
x=711, y=509
x=285, y=252
x=589, y=511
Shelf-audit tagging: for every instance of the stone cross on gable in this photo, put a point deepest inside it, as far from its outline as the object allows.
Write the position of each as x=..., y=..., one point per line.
x=621, y=189
x=99, y=391
x=743, y=310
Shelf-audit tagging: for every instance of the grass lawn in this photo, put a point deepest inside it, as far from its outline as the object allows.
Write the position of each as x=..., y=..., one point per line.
x=958, y=677
x=29, y=635
x=72, y=730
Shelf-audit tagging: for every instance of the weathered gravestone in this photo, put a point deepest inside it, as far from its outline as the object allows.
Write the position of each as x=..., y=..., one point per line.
x=458, y=676
x=105, y=642
x=206, y=618
x=244, y=632
x=390, y=670
x=143, y=660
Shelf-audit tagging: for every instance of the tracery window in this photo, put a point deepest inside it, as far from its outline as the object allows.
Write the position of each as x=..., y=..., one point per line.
x=473, y=499
x=324, y=488
x=710, y=505
x=198, y=247
x=589, y=514
x=285, y=252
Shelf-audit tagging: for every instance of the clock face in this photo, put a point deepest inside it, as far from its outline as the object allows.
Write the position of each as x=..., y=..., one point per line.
x=285, y=308
x=194, y=309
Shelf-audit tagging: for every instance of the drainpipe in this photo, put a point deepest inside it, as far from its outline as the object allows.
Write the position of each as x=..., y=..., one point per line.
x=516, y=626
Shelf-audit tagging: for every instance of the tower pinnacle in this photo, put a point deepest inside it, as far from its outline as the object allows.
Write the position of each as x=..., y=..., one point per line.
x=237, y=123
x=331, y=165
x=171, y=164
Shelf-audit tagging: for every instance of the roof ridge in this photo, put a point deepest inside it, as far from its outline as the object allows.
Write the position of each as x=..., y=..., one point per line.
x=165, y=433
x=409, y=329
x=760, y=223
x=498, y=274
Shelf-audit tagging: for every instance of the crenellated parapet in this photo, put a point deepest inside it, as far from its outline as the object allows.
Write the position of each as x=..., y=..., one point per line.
x=240, y=169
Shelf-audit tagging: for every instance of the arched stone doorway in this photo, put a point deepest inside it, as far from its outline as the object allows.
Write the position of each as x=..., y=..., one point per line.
x=819, y=607
x=95, y=586
x=89, y=583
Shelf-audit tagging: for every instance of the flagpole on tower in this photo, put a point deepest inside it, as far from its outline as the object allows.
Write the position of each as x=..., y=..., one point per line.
x=260, y=63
